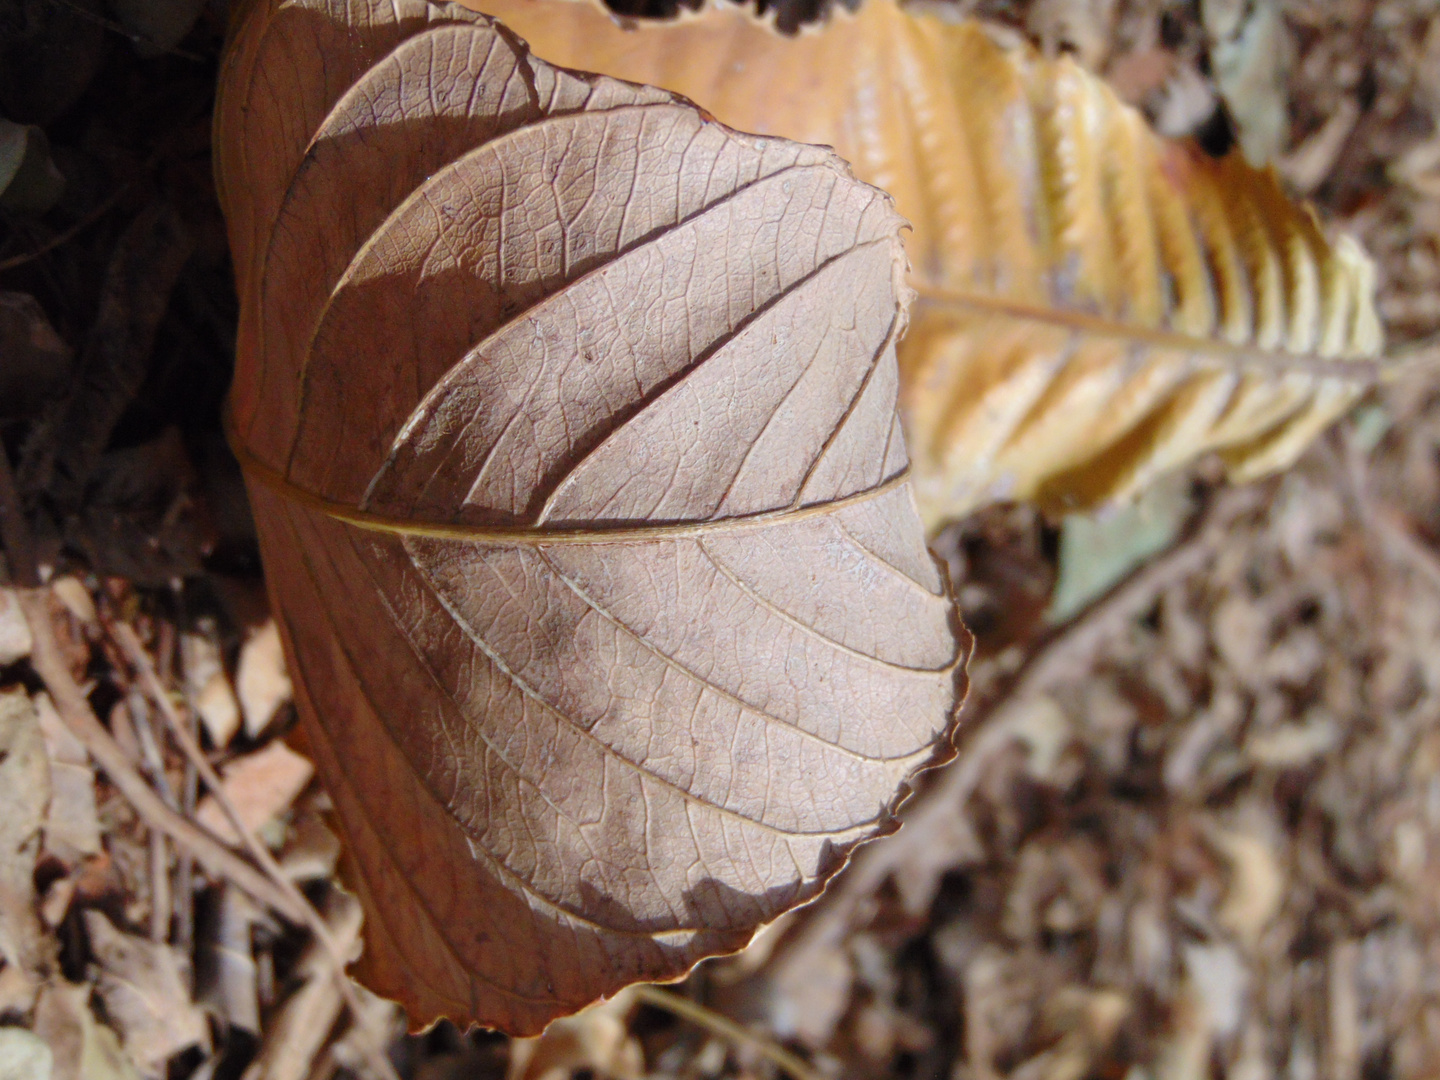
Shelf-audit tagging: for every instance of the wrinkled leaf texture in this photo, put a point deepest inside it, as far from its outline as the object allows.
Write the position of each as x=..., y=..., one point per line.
x=1097, y=305
x=569, y=421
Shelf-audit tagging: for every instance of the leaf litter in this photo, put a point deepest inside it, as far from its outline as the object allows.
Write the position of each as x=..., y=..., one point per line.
x=1212, y=852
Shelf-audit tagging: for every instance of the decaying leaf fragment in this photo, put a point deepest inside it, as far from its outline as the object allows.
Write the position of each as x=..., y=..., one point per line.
x=1097, y=305
x=569, y=421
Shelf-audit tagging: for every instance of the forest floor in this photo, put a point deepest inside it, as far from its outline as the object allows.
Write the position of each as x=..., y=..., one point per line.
x=1194, y=829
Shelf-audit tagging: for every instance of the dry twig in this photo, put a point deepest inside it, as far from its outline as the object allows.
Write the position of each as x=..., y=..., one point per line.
x=73, y=708
x=727, y=1029
x=1065, y=653
x=124, y=636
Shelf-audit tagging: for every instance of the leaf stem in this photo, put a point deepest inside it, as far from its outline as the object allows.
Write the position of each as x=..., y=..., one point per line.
x=1201, y=352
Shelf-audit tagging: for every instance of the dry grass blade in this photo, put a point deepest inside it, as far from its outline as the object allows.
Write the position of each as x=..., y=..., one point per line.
x=139, y=660
x=582, y=497
x=1098, y=305
x=70, y=703
x=727, y=1029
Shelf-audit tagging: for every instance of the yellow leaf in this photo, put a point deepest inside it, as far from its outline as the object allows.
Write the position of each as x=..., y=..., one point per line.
x=1097, y=305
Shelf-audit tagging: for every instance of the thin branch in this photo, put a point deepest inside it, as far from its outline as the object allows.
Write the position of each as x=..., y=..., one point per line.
x=129, y=642
x=75, y=710
x=727, y=1029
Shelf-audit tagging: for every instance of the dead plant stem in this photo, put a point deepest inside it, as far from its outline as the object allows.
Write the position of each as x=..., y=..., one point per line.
x=124, y=635
x=727, y=1029
x=75, y=710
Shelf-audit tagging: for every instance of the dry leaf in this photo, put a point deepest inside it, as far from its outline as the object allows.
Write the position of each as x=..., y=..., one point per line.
x=260, y=679
x=596, y=1040
x=83, y=1048
x=145, y=993
x=227, y=979
x=24, y=796
x=1250, y=58
x=24, y=1056
x=1098, y=305
x=72, y=827
x=38, y=363
x=15, y=640
x=573, y=450
x=313, y=851
x=297, y=1031
x=209, y=687
x=260, y=786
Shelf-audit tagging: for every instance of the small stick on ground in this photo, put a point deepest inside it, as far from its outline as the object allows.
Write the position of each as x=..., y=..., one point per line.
x=75, y=710
x=160, y=902
x=124, y=635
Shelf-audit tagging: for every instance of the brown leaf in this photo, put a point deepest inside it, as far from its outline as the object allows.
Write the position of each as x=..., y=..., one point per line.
x=15, y=639
x=573, y=450
x=1098, y=305
x=260, y=786
x=83, y=1048
x=72, y=826
x=24, y=796
x=298, y=1030
x=260, y=679
x=145, y=993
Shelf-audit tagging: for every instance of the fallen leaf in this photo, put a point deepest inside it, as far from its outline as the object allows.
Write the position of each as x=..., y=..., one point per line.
x=1098, y=549
x=1290, y=746
x=1084, y=27
x=1098, y=306
x=582, y=500
x=29, y=180
x=297, y=1031
x=145, y=993
x=218, y=709
x=313, y=851
x=72, y=828
x=1256, y=885
x=260, y=786
x=1249, y=58
x=15, y=640
x=372, y=1031
x=208, y=685
x=260, y=679
x=24, y=796
x=67, y=444
x=71, y=592
x=24, y=1055
x=1220, y=983
x=83, y=1048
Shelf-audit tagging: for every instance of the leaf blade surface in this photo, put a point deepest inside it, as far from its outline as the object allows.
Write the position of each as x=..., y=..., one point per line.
x=569, y=423
x=1097, y=305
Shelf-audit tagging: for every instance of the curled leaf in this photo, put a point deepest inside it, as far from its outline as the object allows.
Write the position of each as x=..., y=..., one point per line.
x=569, y=421
x=1097, y=305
